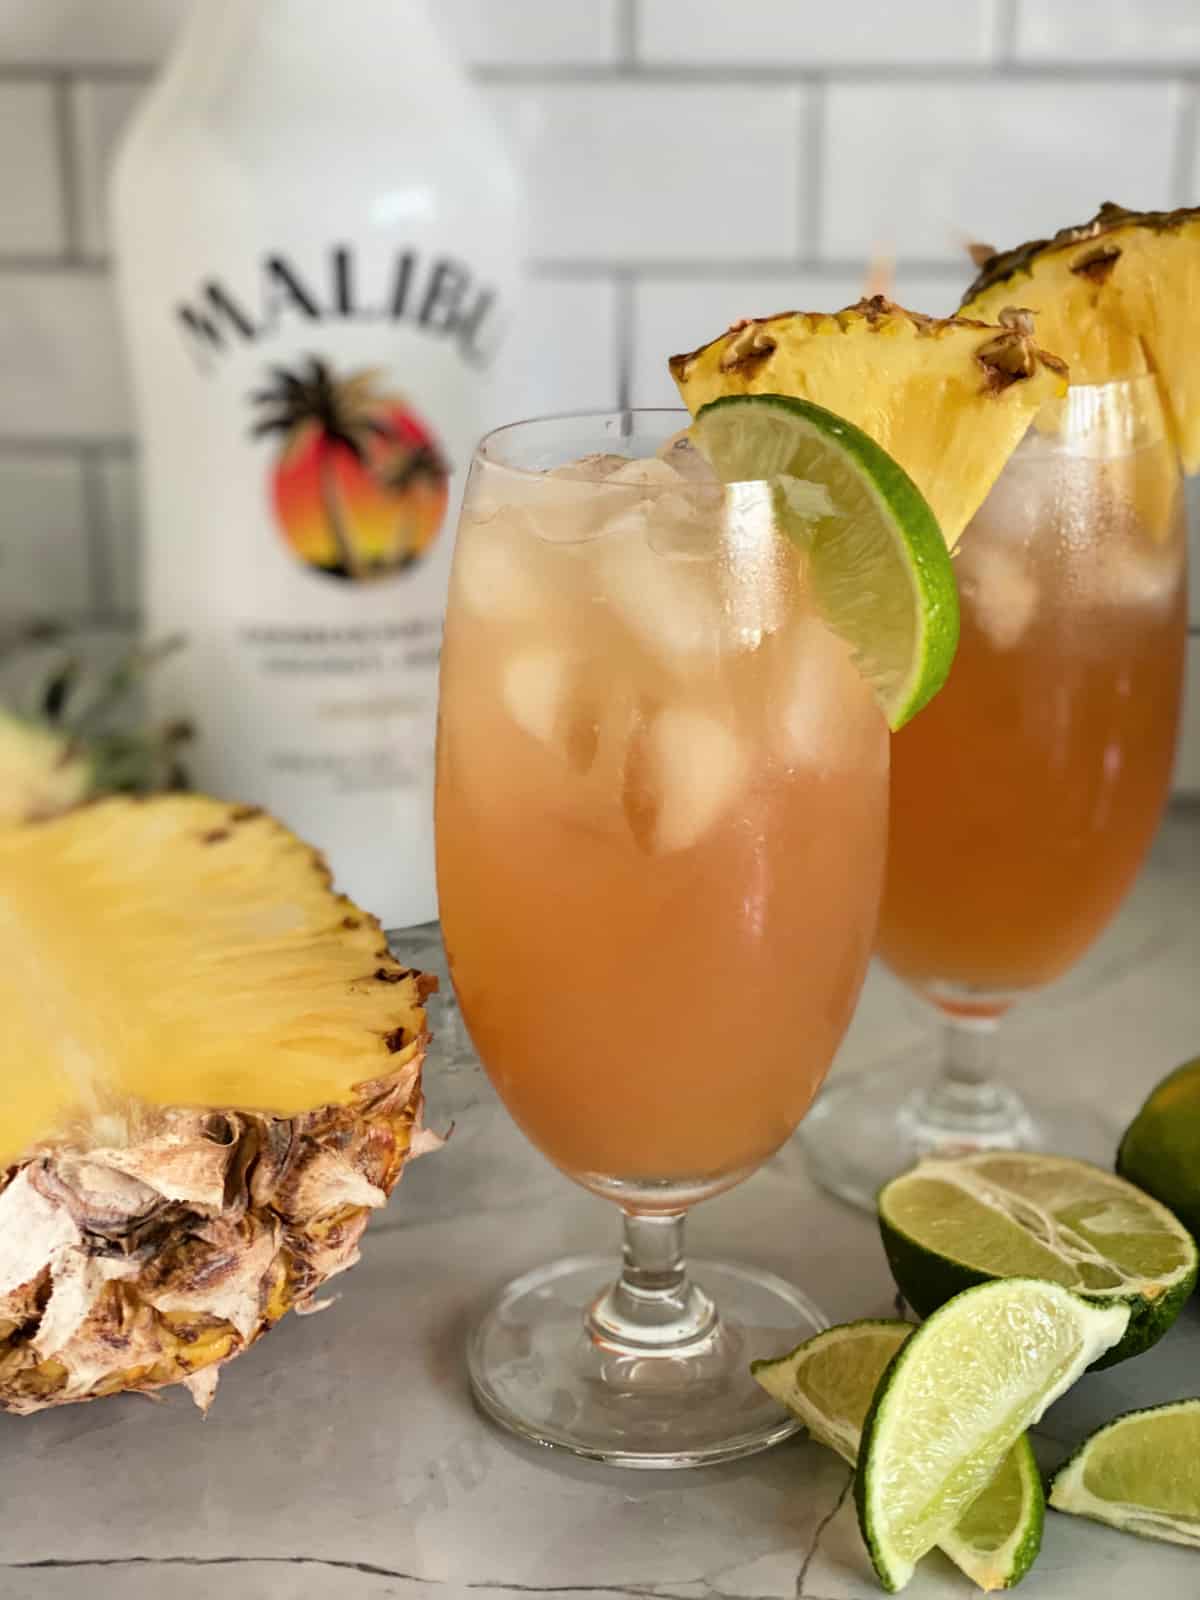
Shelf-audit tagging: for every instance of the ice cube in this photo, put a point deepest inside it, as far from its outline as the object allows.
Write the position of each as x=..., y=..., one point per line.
x=999, y=591
x=496, y=571
x=534, y=687
x=671, y=607
x=590, y=468
x=682, y=457
x=823, y=714
x=565, y=505
x=687, y=525
x=683, y=770
x=647, y=472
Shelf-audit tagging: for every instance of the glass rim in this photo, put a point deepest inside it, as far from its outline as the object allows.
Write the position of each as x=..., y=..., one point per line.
x=482, y=453
x=1078, y=396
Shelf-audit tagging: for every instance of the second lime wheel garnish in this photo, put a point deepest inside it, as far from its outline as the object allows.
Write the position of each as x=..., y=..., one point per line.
x=876, y=561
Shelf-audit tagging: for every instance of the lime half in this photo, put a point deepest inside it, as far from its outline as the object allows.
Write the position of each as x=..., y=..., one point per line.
x=952, y=1223
x=829, y=1383
x=876, y=561
x=958, y=1395
x=1161, y=1148
x=1139, y=1473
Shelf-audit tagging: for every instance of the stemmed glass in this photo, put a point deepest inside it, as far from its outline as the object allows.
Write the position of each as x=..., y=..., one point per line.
x=661, y=813
x=1025, y=798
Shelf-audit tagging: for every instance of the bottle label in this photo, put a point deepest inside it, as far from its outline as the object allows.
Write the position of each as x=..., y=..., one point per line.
x=324, y=401
x=358, y=483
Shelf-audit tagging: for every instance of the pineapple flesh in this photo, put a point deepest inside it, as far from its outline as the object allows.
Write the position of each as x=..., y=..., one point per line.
x=947, y=398
x=210, y=1075
x=1116, y=297
x=41, y=772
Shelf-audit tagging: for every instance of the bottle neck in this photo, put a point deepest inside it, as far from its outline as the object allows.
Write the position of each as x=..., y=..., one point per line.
x=321, y=47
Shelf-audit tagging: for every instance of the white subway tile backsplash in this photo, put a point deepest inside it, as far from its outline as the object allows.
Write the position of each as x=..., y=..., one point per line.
x=61, y=358
x=120, y=533
x=622, y=172
x=719, y=33
x=562, y=351
x=674, y=314
x=543, y=33
x=1123, y=31
x=99, y=112
x=43, y=549
x=88, y=32
x=32, y=215
x=918, y=166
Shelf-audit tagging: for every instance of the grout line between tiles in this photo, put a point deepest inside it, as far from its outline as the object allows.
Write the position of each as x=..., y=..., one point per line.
x=1187, y=132
x=812, y=167
x=688, y=267
x=96, y=519
x=68, y=172
x=625, y=338
x=1004, y=31
x=66, y=444
x=642, y=74
x=627, y=31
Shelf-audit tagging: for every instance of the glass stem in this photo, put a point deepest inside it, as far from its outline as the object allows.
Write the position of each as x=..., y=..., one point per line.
x=966, y=1101
x=653, y=1304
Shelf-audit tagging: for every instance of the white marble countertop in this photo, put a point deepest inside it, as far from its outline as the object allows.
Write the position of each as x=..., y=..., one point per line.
x=343, y=1457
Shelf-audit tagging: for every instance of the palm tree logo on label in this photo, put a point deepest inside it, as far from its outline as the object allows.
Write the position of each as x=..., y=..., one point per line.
x=360, y=483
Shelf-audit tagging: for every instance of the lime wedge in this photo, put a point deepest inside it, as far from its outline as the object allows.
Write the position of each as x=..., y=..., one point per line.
x=958, y=1395
x=1139, y=1473
x=952, y=1223
x=829, y=1382
x=876, y=561
x=1161, y=1148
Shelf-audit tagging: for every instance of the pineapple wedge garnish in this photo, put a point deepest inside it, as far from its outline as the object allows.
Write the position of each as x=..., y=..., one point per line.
x=210, y=1075
x=1115, y=297
x=947, y=398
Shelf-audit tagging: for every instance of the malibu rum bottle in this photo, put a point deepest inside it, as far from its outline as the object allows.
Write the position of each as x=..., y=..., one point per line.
x=317, y=238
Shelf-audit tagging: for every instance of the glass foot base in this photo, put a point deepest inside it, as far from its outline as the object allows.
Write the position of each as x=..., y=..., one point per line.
x=538, y=1370
x=874, y=1125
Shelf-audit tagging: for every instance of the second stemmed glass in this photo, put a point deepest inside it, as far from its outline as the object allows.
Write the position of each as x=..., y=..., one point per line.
x=661, y=811
x=1025, y=798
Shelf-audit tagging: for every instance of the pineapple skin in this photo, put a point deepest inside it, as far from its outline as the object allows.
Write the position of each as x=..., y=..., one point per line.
x=1115, y=296
x=947, y=397
x=153, y=1245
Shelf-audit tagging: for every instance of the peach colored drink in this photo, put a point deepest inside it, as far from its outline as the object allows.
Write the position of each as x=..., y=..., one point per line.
x=1026, y=797
x=661, y=815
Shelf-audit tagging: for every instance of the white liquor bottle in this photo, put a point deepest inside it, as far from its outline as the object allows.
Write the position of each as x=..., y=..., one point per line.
x=318, y=238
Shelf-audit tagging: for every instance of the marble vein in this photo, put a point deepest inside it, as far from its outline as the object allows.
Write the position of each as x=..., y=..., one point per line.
x=688, y=1589
x=810, y=1553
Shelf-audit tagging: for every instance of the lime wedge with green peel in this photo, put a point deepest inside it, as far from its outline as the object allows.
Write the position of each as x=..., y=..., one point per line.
x=957, y=1396
x=876, y=561
x=952, y=1223
x=1161, y=1148
x=1139, y=1473
x=829, y=1383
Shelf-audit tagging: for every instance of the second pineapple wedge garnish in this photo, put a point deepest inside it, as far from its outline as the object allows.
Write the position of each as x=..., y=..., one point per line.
x=1116, y=297
x=948, y=399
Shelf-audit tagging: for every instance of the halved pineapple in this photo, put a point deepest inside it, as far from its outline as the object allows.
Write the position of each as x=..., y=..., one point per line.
x=947, y=398
x=1115, y=297
x=210, y=1074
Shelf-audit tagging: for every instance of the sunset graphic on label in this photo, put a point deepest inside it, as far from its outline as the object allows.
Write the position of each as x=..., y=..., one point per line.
x=359, y=485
